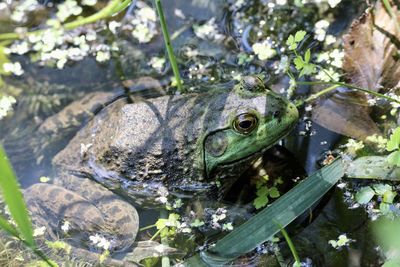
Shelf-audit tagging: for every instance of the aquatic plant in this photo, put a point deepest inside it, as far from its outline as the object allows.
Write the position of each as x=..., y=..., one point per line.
x=168, y=45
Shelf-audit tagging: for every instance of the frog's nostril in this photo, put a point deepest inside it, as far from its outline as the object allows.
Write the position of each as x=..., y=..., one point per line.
x=276, y=113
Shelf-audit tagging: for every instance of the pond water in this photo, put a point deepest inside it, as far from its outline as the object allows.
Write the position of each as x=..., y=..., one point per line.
x=217, y=43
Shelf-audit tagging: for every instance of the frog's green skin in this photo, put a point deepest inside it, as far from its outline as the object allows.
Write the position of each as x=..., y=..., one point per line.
x=176, y=144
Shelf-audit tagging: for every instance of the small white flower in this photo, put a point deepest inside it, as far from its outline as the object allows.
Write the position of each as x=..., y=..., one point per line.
x=342, y=241
x=89, y=2
x=333, y=3
x=15, y=68
x=330, y=39
x=208, y=31
x=103, y=56
x=227, y=226
x=263, y=50
x=39, y=231
x=66, y=226
x=157, y=63
x=6, y=103
x=113, y=25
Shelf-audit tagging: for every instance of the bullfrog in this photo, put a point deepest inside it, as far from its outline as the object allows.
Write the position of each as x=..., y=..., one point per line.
x=138, y=154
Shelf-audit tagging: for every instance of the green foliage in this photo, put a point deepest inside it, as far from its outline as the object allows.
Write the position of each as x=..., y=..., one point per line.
x=263, y=192
x=13, y=198
x=385, y=191
x=394, y=145
x=197, y=223
x=293, y=41
x=365, y=195
x=303, y=64
x=167, y=227
x=267, y=223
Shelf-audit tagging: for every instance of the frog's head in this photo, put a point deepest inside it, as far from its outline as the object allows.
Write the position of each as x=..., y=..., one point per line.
x=252, y=119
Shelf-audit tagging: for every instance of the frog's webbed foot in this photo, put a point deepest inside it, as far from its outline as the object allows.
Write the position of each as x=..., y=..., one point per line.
x=68, y=214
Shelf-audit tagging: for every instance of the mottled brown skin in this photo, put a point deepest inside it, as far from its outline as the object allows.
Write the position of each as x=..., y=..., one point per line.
x=175, y=144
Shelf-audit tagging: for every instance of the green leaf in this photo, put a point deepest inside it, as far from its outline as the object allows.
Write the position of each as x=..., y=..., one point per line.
x=307, y=56
x=394, y=140
x=265, y=224
x=389, y=196
x=262, y=191
x=13, y=198
x=274, y=192
x=197, y=223
x=381, y=189
x=6, y=226
x=394, y=158
x=299, y=36
x=161, y=223
x=365, y=195
x=384, y=208
x=290, y=40
x=293, y=46
x=308, y=69
x=260, y=201
x=298, y=62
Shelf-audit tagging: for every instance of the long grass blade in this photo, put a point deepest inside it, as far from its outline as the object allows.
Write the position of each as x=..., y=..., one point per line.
x=264, y=225
x=13, y=198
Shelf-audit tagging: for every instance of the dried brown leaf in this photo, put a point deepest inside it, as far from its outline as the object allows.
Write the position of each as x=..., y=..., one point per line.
x=371, y=61
x=371, y=56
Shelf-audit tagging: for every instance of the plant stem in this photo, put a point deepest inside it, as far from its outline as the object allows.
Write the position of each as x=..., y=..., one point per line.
x=165, y=262
x=147, y=227
x=352, y=87
x=107, y=11
x=316, y=95
x=168, y=45
x=290, y=244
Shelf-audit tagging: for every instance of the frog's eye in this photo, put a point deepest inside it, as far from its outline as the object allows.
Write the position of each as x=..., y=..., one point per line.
x=245, y=123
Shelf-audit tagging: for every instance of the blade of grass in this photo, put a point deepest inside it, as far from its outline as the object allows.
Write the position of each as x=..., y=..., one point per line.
x=263, y=226
x=16, y=204
x=13, y=198
x=168, y=45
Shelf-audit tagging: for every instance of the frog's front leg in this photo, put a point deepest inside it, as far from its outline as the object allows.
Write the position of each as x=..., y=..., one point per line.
x=88, y=208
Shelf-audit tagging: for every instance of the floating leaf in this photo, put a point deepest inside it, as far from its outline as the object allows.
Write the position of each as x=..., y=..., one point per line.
x=365, y=195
